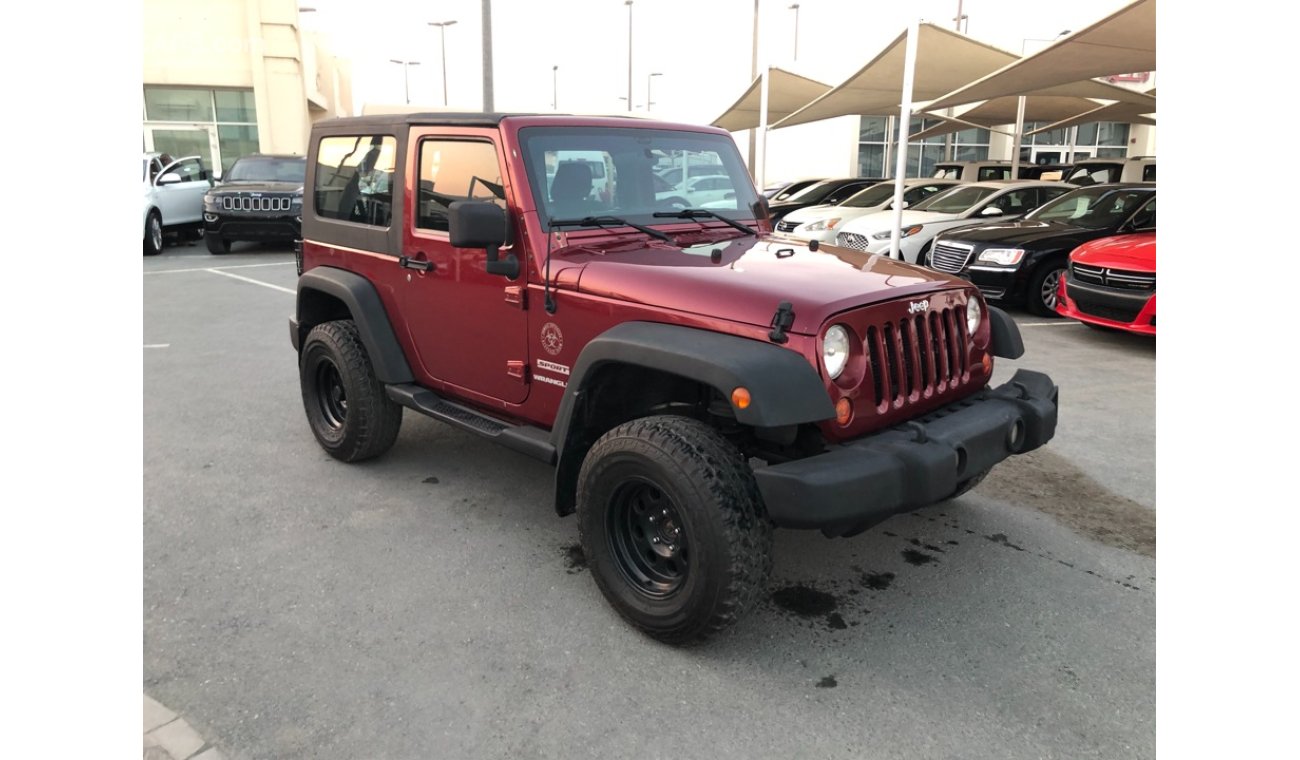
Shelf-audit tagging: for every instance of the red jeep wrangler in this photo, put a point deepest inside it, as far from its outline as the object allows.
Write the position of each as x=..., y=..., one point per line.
x=694, y=379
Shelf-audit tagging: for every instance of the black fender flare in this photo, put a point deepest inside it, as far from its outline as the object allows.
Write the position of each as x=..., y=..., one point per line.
x=362, y=300
x=784, y=388
x=1004, y=335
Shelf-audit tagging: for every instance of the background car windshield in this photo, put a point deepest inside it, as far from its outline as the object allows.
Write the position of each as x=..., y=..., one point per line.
x=814, y=192
x=629, y=173
x=268, y=170
x=1094, y=174
x=872, y=196
x=955, y=200
x=1091, y=207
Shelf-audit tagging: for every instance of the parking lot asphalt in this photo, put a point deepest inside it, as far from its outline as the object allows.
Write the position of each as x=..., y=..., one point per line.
x=429, y=604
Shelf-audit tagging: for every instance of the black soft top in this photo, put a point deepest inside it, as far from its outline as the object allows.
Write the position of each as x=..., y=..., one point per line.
x=390, y=120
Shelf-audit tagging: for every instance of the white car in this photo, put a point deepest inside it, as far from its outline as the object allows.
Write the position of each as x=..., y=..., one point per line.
x=823, y=222
x=960, y=206
x=698, y=191
x=173, y=197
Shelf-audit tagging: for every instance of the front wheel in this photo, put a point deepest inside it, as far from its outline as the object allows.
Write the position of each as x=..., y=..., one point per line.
x=153, y=234
x=673, y=527
x=1041, y=299
x=348, y=410
x=216, y=244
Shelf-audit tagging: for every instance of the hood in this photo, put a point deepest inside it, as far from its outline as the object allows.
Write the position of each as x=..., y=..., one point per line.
x=1135, y=253
x=258, y=187
x=878, y=221
x=1029, y=234
x=752, y=277
x=811, y=213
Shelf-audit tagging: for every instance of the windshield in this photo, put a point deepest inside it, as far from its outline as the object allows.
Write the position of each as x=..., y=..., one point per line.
x=576, y=172
x=872, y=196
x=1092, y=207
x=956, y=200
x=264, y=169
x=814, y=192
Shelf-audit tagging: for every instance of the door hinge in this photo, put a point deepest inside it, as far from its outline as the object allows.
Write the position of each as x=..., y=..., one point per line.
x=516, y=295
x=515, y=369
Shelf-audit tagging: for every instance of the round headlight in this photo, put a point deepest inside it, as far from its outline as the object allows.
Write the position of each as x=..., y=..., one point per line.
x=835, y=350
x=972, y=315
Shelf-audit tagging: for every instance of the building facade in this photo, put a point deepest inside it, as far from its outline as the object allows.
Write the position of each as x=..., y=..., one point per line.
x=226, y=78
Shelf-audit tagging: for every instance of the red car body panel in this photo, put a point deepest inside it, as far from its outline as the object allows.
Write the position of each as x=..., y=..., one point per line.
x=1134, y=253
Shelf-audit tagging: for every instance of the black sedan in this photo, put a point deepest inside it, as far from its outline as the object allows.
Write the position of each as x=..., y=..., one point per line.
x=259, y=198
x=1023, y=261
x=828, y=192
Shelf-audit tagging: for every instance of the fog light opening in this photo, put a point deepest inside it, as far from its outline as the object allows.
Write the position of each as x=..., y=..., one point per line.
x=1016, y=436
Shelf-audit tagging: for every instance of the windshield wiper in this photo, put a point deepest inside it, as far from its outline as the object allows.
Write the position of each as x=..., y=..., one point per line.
x=695, y=214
x=605, y=222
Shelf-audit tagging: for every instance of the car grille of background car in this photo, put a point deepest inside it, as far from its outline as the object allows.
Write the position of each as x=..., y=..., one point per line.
x=852, y=240
x=249, y=203
x=784, y=226
x=949, y=257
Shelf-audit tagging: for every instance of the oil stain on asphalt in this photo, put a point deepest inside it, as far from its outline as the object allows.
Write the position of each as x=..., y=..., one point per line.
x=1046, y=481
x=574, y=560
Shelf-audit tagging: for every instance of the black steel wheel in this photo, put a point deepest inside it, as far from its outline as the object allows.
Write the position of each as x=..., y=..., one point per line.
x=1041, y=299
x=347, y=408
x=673, y=527
x=153, y=234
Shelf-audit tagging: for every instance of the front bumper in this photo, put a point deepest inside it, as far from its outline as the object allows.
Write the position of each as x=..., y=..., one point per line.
x=1127, y=310
x=999, y=283
x=248, y=227
x=859, y=484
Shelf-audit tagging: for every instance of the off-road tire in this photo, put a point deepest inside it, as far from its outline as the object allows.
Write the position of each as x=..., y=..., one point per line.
x=347, y=408
x=1034, y=299
x=216, y=244
x=727, y=550
x=153, y=234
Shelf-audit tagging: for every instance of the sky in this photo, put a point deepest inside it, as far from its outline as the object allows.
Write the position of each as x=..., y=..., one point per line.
x=701, y=48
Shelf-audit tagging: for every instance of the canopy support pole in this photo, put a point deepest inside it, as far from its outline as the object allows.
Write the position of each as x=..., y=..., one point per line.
x=761, y=175
x=1020, y=133
x=904, y=126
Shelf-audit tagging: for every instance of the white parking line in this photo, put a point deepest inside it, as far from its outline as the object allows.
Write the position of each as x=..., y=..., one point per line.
x=1050, y=324
x=232, y=266
x=157, y=345
x=255, y=282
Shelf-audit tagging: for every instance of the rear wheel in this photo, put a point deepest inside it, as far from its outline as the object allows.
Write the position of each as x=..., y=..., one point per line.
x=153, y=234
x=348, y=410
x=673, y=527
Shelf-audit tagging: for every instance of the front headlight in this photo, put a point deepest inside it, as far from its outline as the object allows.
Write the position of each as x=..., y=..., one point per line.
x=823, y=224
x=973, y=315
x=835, y=350
x=1006, y=257
x=297, y=201
x=915, y=228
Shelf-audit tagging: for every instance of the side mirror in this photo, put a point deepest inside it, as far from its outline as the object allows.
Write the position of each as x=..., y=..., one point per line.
x=761, y=208
x=479, y=224
x=991, y=211
x=170, y=178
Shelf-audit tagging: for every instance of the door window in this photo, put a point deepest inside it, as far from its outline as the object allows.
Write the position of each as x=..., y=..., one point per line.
x=456, y=170
x=354, y=179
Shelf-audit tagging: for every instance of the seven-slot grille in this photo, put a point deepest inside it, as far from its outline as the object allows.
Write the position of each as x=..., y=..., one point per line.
x=950, y=257
x=1114, y=278
x=917, y=356
x=852, y=240
x=260, y=203
x=784, y=226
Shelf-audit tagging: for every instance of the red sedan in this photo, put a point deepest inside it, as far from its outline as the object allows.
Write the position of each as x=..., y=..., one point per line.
x=1111, y=283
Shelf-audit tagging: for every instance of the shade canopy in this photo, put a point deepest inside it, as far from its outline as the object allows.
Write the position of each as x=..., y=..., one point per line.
x=945, y=60
x=787, y=92
x=1122, y=43
x=1121, y=112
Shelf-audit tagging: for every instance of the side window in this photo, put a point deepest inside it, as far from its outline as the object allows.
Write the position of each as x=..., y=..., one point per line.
x=455, y=170
x=1149, y=174
x=1145, y=218
x=994, y=172
x=190, y=170
x=1052, y=193
x=355, y=177
x=155, y=168
x=919, y=193
x=1016, y=201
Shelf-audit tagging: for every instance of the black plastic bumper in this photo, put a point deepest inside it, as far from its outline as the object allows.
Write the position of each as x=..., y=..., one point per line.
x=860, y=483
x=257, y=228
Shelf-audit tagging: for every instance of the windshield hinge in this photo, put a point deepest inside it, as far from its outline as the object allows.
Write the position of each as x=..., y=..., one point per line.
x=782, y=320
x=516, y=295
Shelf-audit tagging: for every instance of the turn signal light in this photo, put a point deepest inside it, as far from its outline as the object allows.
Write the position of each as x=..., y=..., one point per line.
x=740, y=398
x=987, y=361
x=843, y=411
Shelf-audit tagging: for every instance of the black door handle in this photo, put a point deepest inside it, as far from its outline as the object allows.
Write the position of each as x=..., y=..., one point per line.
x=406, y=262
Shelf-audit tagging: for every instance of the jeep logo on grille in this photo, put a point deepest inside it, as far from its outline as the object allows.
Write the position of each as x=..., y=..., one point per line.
x=916, y=306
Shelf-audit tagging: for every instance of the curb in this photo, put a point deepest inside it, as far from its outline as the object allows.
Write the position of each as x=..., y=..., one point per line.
x=169, y=737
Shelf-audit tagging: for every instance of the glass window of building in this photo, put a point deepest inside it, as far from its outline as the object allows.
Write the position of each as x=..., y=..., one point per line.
x=219, y=126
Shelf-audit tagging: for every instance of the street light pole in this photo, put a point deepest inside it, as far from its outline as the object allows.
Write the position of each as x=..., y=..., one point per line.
x=487, y=56
x=555, y=88
x=795, y=8
x=406, y=75
x=648, y=80
x=628, y=3
x=753, y=74
x=442, y=29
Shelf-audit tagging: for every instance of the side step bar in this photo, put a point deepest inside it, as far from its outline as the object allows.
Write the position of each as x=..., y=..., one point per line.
x=526, y=439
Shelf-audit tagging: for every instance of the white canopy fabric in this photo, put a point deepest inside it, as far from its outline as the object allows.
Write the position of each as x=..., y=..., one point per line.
x=992, y=113
x=787, y=92
x=945, y=60
x=1122, y=112
x=1122, y=43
